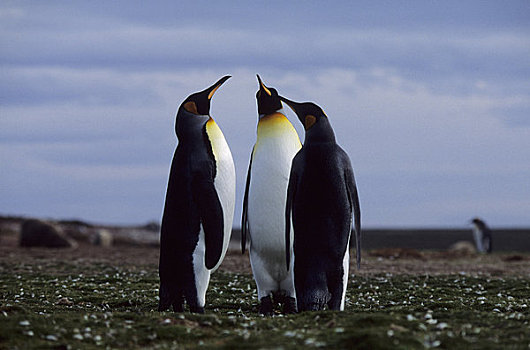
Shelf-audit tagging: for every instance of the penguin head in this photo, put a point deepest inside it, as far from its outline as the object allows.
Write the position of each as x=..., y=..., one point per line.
x=267, y=98
x=309, y=113
x=478, y=222
x=194, y=112
x=199, y=102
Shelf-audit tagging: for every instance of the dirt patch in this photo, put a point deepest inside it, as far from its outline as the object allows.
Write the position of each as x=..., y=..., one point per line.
x=397, y=261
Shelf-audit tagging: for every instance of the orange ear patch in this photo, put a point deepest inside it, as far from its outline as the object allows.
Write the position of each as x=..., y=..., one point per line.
x=191, y=107
x=310, y=120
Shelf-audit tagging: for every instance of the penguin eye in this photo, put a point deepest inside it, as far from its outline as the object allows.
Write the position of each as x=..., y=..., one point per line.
x=310, y=120
x=191, y=107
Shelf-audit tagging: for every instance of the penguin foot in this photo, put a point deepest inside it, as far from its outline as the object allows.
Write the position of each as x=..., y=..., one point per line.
x=165, y=298
x=317, y=306
x=311, y=306
x=265, y=306
x=289, y=306
x=196, y=309
x=178, y=307
x=279, y=297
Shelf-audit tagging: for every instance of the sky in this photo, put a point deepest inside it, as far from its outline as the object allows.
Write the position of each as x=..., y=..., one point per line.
x=430, y=99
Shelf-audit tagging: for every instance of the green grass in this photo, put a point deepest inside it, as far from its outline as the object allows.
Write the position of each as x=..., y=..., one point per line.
x=95, y=305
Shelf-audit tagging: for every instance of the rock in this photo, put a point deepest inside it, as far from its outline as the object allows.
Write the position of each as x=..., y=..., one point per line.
x=152, y=226
x=80, y=234
x=463, y=247
x=37, y=233
x=102, y=238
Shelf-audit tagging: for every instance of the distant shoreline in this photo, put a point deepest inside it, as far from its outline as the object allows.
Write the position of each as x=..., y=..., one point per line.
x=504, y=239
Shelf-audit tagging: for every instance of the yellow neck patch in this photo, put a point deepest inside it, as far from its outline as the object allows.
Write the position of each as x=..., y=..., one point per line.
x=275, y=124
x=215, y=135
x=191, y=107
x=309, y=121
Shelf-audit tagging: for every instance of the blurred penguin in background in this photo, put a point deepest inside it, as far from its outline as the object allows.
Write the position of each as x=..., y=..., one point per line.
x=481, y=236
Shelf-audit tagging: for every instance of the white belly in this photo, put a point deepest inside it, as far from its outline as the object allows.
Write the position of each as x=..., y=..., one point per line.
x=478, y=238
x=271, y=166
x=224, y=182
x=201, y=273
x=346, y=267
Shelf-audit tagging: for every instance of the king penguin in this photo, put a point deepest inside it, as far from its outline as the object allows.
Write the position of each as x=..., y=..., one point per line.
x=481, y=236
x=321, y=197
x=199, y=206
x=263, y=218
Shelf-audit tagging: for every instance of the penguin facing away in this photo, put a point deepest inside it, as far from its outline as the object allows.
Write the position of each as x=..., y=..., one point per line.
x=481, y=236
x=263, y=219
x=321, y=197
x=199, y=206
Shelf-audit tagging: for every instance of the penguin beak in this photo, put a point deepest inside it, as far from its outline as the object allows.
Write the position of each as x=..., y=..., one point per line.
x=295, y=106
x=263, y=87
x=212, y=89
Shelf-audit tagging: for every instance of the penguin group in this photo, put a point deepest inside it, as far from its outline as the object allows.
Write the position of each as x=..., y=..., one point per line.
x=300, y=208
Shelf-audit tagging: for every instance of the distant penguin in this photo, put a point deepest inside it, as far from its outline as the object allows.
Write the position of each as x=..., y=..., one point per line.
x=321, y=197
x=481, y=236
x=199, y=207
x=263, y=218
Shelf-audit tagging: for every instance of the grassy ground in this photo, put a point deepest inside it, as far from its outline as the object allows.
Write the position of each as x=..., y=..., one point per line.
x=57, y=304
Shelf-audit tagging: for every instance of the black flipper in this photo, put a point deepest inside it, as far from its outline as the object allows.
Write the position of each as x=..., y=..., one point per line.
x=353, y=197
x=210, y=212
x=291, y=189
x=244, y=217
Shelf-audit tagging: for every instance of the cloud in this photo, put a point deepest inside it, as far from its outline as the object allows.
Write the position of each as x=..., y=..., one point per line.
x=45, y=85
x=404, y=140
x=435, y=54
x=417, y=153
x=431, y=102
